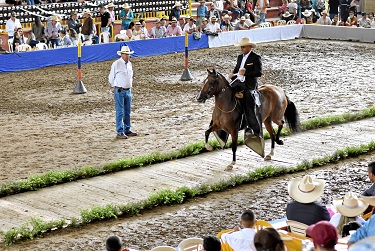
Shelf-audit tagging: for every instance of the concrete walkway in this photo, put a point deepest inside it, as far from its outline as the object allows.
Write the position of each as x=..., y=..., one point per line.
x=66, y=200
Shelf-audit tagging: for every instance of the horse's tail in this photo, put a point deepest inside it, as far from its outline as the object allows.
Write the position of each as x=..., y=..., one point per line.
x=291, y=116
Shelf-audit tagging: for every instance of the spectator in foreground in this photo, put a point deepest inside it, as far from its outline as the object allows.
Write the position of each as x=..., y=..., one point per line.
x=324, y=19
x=324, y=236
x=305, y=208
x=268, y=239
x=114, y=243
x=366, y=244
x=241, y=238
x=211, y=243
x=368, y=230
x=371, y=175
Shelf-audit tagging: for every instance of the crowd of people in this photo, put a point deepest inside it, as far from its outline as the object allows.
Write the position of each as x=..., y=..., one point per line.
x=325, y=225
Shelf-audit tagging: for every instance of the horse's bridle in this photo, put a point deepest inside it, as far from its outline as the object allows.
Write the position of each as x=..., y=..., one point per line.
x=208, y=94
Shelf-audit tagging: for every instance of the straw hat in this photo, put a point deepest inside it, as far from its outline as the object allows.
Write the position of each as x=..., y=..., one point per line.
x=324, y=12
x=350, y=206
x=125, y=50
x=306, y=13
x=243, y=18
x=55, y=18
x=306, y=190
x=213, y=18
x=227, y=16
x=87, y=11
x=126, y=6
x=110, y=5
x=176, y=4
x=287, y=14
x=157, y=20
x=369, y=199
x=244, y=42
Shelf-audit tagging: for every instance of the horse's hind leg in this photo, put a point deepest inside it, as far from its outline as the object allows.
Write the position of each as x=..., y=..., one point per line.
x=269, y=128
x=234, y=136
x=277, y=139
x=206, y=135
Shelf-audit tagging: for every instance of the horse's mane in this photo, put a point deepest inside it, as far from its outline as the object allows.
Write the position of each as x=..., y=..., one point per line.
x=222, y=76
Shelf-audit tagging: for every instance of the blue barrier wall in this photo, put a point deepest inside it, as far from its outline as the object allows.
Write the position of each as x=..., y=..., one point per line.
x=96, y=53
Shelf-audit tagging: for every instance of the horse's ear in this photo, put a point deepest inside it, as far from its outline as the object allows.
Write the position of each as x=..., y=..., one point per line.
x=214, y=71
x=209, y=72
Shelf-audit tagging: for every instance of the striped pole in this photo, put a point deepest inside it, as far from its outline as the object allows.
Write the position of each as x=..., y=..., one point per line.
x=79, y=88
x=186, y=75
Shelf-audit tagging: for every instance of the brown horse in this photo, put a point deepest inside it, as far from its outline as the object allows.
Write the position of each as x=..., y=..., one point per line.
x=227, y=114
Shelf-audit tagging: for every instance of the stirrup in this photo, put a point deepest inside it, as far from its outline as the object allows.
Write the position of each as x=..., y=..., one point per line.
x=256, y=144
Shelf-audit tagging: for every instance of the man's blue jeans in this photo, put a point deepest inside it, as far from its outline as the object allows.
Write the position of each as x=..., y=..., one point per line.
x=262, y=17
x=123, y=102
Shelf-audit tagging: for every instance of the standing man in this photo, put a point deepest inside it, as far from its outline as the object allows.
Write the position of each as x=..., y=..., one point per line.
x=333, y=6
x=344, y=10
x=105, y=19
x=121, y=79
x=202, y=11
x=251, y=62
x=73, y=22
x=12, y=25
x=52, y=31
x=126, y=15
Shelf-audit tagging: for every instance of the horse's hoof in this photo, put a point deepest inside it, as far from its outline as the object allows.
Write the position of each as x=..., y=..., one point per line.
x=280, y=142
x=268, y=157
x=229, y=168
x=209, y=147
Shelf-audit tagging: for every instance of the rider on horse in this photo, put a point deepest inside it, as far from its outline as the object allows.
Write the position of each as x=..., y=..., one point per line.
x=251, y=62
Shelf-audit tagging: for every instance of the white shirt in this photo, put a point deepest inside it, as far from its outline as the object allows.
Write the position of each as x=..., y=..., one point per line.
x=244, y=60
x=11, y=26
x=188, y=28
x=121, y=74
x=335, y=220
x=242, y=240
x=213, y=27
x=219, y=5
x=324, y=21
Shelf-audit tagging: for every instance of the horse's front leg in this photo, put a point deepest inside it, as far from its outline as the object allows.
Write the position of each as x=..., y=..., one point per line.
x=206, y=135
x=234, y=136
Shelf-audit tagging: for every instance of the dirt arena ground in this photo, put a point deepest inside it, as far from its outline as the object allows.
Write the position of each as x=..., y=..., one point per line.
x=46, y=127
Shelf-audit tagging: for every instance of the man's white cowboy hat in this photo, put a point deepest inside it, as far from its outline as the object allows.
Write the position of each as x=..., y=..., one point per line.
x=244, y=42
x=55, y=18
x=306, y=13
x=243, y=18
x=350, y=206
x=213, y=18
x=369, y=199
x=306, y=190
x=202, y=1
x=126, y=6
x=287, y=14
x=324, y=12
x=125, y=50
x=176, y=4
x=87, y=11
x=227, y=16
x=110, y=5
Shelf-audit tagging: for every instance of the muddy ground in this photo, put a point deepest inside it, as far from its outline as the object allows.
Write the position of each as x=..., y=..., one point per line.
x=45, y=127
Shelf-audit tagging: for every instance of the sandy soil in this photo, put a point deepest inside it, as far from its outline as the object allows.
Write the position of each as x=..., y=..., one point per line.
x=46, y=127
x=204, y=216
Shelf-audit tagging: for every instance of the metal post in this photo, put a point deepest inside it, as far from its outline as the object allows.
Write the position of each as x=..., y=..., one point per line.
x=79, y=88
x=186, y=75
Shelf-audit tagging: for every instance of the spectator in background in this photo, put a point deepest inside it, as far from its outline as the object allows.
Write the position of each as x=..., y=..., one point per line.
x=219, y=5
x=105, y=19
x=241, y=25
x=320, y=6
x=305, y=5
x=335, y=21
x=22, y=36
x=65, y=39
x=226, y=24
x=283, y=8
x=73, y=36
x=185, y=21
x=293, y=9
x=287, y=16
x=190, y=27
x=163, y=22
x=126, y=15
x=308, y=16
x=350, y=208
x=16, y=41
x=129, y=31
x=2, y=50
x=248, y=20
x=241, y=238
x=344, y=10
x=202, y=11
x=175, y=12
x=233, y=7
x=144, y=29
x=364, y=21
x=324, y=19
x=211, y=243
x=249, y=9
x=12, y=25
x=213, y=27
x=304, y=208
x=137, y=32
x=268, y=239
x=174, y=29
x=324, y=236
x=52, y=31
x=88, y=26
x=13, y=2
x=333, y=6
x=352, y=20
x=203, y=26
x=158, y=31
x=112, y=15
x=262, y=5
x=355, y=6
x=30, y=2
x=73, y=22
x=213, y=12
x=367, y=230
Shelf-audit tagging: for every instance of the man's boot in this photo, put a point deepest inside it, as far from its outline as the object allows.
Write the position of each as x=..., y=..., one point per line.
x=253, y=133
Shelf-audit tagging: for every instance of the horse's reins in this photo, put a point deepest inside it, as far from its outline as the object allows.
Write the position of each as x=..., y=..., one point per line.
x=222, y=90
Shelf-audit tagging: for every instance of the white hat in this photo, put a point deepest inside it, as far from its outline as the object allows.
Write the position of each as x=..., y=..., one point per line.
x=350, y=206
x=176, y=4
x=110, y=5
x=324, y=12
x=126, y=6
x=244, y=42
x=55, y=18
x=227, y=16
x=213, y=18
x=243, y=18
x=125, y=50
x=306, y=190
x=287, y=14
x=306, y=13
x=369, y=199
x=87, y=11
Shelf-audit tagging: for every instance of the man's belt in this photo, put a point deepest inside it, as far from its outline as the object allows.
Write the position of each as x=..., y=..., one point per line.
x=122, y=88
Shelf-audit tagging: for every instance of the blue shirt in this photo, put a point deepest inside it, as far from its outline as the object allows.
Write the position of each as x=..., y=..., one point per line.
x=366, y=231
x=129, y=15
x=202, y=10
